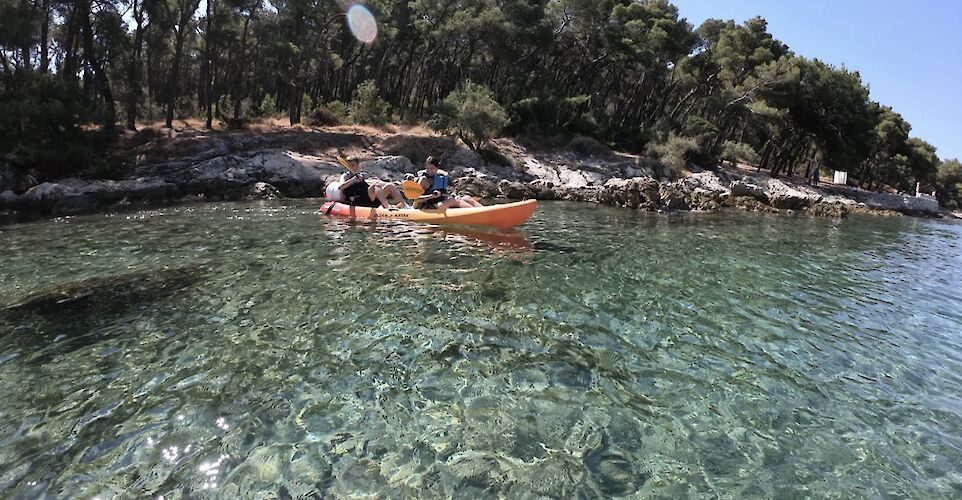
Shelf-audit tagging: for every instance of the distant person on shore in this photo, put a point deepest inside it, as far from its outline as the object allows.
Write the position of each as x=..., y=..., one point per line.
x=813, y=179
x=435, y=183
x=358, y=192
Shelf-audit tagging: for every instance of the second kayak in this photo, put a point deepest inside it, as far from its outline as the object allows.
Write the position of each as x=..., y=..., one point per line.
x=501, y=216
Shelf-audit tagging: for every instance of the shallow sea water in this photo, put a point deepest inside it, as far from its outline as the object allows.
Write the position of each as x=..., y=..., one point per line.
x=260, y=350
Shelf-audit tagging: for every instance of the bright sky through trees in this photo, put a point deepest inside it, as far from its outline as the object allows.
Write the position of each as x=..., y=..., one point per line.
x=908, y=52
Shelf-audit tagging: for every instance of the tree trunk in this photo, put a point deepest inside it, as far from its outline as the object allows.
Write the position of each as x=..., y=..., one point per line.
x=133, y=68
x=44, y=36
x=296, y=91
x=6, y=65
x=70, y=64
x=172, y=83
x=235, y=91
x=187, y=8
x=208, y=62
x=100, y=77
x=25, y=48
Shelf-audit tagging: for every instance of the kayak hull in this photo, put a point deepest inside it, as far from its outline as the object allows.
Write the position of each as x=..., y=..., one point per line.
x=501, y=216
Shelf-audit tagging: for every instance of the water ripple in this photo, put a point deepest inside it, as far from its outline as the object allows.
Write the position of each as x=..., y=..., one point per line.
x=260, y=350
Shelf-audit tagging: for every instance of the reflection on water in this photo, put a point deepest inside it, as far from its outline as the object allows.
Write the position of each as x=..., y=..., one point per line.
x=255, y=350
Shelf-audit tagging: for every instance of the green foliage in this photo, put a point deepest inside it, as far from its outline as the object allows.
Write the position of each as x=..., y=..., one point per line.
x=40, y=117
x=268, y=106
x=949, y=184
x=833, y=106
x=340, y=111
x=586, y=123
x=184, y=108
x=676, y=151
x=895, y=158
x=739, y=152
x=307, y=104
x=226, y=114
x=922, y=161
x=649, y=33
x=367, y=107
x=471, y=113
x=627, y=73
x=532, y=114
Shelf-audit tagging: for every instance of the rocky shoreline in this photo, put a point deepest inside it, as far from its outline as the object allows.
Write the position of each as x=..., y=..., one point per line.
x=216, y=171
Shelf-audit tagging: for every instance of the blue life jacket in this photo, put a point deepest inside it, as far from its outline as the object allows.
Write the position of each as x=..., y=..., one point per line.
x=439, y=181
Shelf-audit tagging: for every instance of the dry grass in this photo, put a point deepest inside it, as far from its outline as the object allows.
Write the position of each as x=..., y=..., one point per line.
x=368, y=130
x=419, y=129
x=281, y=123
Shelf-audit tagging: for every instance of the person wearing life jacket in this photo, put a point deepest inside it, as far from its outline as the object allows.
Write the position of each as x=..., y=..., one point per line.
x=435, y=183
x=358, y=192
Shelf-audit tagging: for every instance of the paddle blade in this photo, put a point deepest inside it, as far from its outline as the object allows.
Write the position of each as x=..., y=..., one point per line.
x=347, y=165
x=412, y=189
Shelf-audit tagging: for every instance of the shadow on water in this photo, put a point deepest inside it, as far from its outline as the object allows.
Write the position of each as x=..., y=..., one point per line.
x=73, y=311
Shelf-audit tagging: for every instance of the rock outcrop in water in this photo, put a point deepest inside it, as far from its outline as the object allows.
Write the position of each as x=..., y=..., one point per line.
x=263, y=191
x=220, y=172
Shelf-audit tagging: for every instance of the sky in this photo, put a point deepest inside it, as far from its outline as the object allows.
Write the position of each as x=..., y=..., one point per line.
x=908, y=52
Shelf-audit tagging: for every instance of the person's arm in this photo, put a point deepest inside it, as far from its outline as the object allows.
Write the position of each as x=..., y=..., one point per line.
x=352, y=181
x=430, y=196
x=420, y=200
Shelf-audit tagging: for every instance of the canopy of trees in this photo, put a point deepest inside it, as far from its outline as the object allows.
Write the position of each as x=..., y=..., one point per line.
x=630, y=73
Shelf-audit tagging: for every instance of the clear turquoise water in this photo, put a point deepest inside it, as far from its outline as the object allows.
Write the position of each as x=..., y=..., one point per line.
x=260, y=350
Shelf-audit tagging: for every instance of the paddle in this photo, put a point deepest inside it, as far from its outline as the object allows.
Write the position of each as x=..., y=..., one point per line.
x=412, y=190
x=347, y=165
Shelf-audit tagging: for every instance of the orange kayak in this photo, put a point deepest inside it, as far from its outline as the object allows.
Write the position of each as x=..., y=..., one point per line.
x=500, y=216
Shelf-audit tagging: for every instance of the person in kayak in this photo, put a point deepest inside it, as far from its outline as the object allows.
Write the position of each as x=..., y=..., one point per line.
x=358, y=192
x=435, y=183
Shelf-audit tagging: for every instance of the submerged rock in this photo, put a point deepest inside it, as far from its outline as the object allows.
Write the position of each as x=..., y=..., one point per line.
x=833, y=210
x=75, y=310
x=74, y=205
x=752, y=204
x=129, y=288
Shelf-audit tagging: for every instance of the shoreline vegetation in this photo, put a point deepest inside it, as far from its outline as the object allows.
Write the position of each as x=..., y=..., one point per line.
x=271, y=160
x=533, y=97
